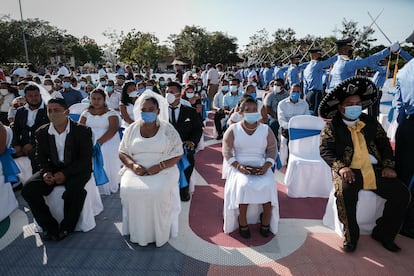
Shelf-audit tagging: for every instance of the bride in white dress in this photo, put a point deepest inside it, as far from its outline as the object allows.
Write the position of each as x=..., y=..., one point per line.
x=249, y=149
x=104, y=124
x=150, y=150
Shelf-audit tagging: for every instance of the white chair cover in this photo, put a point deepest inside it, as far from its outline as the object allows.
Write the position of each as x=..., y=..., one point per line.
x=369, y=208
x=307, y=174
x=91, y=208
x=78, y=108
x=25, y=167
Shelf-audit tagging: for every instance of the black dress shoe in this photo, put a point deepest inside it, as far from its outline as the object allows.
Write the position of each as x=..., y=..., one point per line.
x=48, y=236
x=407, y=233
x=62, y=235
x=185, y=197
x=389, y=245
x=349, y=246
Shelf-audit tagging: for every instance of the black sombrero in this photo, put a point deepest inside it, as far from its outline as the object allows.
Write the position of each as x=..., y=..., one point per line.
x=358, y=85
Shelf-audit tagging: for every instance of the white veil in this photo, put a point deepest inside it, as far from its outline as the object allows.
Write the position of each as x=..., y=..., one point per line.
x=162, y=103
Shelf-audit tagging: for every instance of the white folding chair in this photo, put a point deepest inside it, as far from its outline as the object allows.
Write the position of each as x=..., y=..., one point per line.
x=307, y=174
x=369, y=208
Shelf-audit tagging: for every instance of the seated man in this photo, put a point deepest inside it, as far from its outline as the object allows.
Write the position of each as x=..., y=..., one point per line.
x=64, y=153
x=26, y=121
x=357, y=149
x=218, y=105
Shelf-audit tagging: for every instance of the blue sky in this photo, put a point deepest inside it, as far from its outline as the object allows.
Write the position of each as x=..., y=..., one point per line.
x=238, y=18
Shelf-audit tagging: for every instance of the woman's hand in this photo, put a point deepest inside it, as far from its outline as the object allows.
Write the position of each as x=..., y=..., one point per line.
x=153, y=170
x=243, y=169
x=139, y=170
x=262, y=170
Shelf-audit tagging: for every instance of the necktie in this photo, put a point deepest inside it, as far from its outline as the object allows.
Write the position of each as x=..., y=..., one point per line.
x=360, y=159
x=173, y=119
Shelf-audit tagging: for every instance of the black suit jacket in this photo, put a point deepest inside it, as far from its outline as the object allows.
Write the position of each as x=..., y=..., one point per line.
x=78, y=151
x=22, y=134
x=189, y=125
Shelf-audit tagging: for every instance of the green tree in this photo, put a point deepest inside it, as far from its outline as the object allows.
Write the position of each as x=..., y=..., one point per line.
x=362, y=37
x=139, y=48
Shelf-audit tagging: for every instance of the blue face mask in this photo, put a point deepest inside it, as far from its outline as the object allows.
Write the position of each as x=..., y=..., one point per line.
x=66, y=84
x=149, y=87
x=233, y=88
x=21, y=92
x=82, y=83
x=149, y=117
x=163, y=83
x=352, y=112
x=294, y=96
x=225, y=88
x=140, y=91
x=109, y=88
x=252, y=118
x=253, y=95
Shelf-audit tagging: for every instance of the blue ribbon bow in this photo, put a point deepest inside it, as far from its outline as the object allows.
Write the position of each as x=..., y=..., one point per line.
x=182, y=165
x=10, y=169
x=98, y=166
x=298, y=133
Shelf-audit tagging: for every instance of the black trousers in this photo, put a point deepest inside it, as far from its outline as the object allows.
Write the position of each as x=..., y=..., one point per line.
x=374, y=109
x=73, y=197
x=404, y=163
x=388, y=226
x=218, y=116
x=314, y=98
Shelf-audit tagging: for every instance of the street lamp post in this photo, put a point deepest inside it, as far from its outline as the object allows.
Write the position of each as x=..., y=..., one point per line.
x=23, y=31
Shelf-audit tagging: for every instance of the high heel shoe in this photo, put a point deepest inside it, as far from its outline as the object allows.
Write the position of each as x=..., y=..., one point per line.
x=244, y=230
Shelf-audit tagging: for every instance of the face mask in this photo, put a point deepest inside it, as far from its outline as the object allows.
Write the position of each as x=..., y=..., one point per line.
x=136, y=81
x=149, y=87
x=170, y=98
x=252, y=118
x=103, y=83
x=120, y=81
x=277, y=89
x=57, y=118
x=253, y=95
x=352, y=112
x=66, y=84
x=133, y=94
x=294, y=96
x=21, y=92
x=149, y=117
x=47, y=87
x=233, y=88
x=82, y=83
x=189, y=95
x=225, y=88
x=4, y=92
x=163, y=83
x=140, y=91
x=109, y=88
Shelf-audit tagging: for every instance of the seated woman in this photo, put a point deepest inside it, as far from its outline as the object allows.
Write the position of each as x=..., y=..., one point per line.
x=149, y=150
x=249, y=149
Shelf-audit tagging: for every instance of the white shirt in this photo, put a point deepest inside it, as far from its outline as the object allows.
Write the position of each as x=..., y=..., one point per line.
x=287, y=109
x=218, y=101
x=101, y=72
x=63, y=71
x=213, y=76
x=113, y=100
x=176, y=111
x=60, y=140
x=31, y=115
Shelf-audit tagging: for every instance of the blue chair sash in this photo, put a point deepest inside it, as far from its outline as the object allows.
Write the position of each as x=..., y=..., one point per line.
x=74, y=117
x=182, y=165
x=298, y=133
x=98, y=166
x=10, y=169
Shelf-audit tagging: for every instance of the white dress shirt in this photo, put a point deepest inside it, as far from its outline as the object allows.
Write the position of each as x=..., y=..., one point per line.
x=60, y=140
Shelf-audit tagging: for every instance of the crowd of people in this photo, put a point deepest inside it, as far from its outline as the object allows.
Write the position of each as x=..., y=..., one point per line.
x=155, y=126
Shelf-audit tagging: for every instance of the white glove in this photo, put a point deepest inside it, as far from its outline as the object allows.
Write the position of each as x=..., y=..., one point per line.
x=395, y=47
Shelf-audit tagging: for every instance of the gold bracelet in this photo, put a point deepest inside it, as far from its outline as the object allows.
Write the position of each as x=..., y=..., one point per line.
x=162, y=165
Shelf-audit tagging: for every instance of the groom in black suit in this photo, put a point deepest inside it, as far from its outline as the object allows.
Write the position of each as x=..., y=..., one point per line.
x=188, y=124
x=64, y=152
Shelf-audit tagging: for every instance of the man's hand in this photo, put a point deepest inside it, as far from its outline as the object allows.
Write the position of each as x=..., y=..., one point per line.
x=189, y=145
x=60, y=178
x=388, y=173
x=26, y=149
x=48, y=178
x=347, y=174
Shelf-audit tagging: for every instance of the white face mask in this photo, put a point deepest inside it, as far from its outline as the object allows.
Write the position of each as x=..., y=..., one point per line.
x=47, y=87
x=189, y=95
x=277, y=89
x=170, y=98
x=4, y=92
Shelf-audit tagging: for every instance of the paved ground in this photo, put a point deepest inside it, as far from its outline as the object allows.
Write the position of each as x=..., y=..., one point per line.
x=303, y=246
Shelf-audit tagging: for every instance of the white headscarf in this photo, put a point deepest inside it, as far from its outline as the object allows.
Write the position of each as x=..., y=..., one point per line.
x=162, y=103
